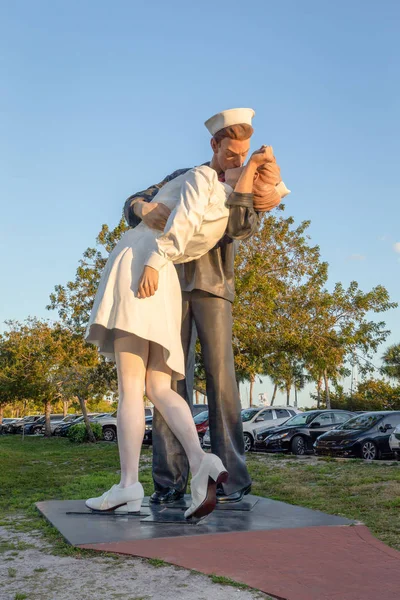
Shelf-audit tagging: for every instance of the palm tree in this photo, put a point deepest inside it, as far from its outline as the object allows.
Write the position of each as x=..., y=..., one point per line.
x=299, y=378
x=391, y=362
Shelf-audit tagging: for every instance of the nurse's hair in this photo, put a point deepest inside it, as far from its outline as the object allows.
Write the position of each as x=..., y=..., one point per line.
x=240, y=132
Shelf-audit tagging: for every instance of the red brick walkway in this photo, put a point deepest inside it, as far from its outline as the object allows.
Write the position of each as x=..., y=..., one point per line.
x=314, y=563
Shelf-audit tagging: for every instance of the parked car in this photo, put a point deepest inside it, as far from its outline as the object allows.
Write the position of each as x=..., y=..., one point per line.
x=148, y=433
x=365, y=436
x=5, y=424
x=18, y=426
x=56, y=422
x=38, y=427
x=199, y=408
x=201, y=422
x=255, y=419
x=108, y=421
x=299, y=433
x=394, y=442
x=62, y=428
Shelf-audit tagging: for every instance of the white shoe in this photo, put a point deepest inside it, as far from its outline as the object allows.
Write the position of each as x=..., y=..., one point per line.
x=119, y=499
x=204, y=486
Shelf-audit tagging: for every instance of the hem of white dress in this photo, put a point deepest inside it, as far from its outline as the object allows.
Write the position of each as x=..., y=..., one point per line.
x=103, y=337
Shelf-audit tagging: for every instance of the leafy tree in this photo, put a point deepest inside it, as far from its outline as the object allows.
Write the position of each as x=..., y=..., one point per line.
x=371, y=394
x=339, y=330
x=391, y=362
x=46, y=362
x=31, y=358
x=278, y=274
x=84, y=373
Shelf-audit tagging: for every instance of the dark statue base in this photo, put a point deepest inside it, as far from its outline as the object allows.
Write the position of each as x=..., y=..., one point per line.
x=80, y=526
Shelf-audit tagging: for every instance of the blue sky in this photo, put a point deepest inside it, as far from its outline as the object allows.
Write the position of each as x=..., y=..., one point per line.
x=100, y=99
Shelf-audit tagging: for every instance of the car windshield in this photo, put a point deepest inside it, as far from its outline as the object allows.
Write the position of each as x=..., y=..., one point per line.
x=249, y=413
x=301, y=419
x=201, y=417
x=362, y=422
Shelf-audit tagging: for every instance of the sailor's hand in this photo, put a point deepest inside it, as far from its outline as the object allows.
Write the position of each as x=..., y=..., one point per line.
x=153, y=214
x=148, y=282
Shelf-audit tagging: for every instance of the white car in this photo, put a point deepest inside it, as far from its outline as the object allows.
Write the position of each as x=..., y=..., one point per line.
x=259, y=418
x=394, y=442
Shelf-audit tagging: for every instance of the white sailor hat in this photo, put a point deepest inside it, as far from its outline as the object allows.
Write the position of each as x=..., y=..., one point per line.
x=227, y=118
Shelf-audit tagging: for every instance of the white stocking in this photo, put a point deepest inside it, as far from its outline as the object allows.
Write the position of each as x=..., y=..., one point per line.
x=172, y=406
x=139, y=361
x=131, y=356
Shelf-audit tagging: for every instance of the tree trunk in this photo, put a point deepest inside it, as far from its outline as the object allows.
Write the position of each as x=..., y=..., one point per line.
x=90, y=433
x=65, y=407
x=319, y=382
x=295, y=395
x=201, y=390
x=238, y=384
x=252, y=380
x=1, y=413
x=47, y=411
x=274, y=394
x=197, y=396
x=287, y=395
x=327, y=395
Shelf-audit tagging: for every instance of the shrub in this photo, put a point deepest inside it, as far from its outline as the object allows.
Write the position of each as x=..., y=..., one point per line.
x=77, y=433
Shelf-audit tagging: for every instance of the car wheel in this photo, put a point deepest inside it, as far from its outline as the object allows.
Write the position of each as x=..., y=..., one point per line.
x=248, y=442
x=109, y=434
x=369, y=451
x=298, y=445
x=201, y=440
x=38, y=431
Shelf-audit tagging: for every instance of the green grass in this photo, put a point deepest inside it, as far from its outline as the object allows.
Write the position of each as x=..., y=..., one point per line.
x=157, y=562
x=226, y=581
x=45, y=469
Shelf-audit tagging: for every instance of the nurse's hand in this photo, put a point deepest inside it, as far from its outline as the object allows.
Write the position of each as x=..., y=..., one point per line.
x=264, y=155
x=148, y=282
x=153, y=214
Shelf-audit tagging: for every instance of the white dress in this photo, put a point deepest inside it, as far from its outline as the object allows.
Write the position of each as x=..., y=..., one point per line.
x=197, y=222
